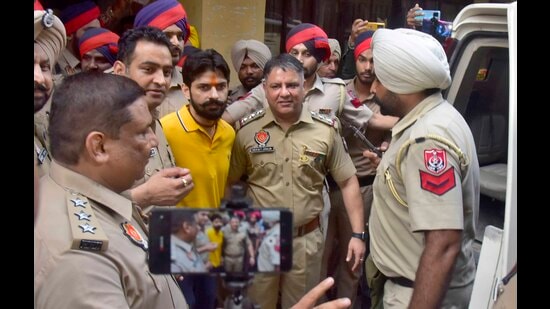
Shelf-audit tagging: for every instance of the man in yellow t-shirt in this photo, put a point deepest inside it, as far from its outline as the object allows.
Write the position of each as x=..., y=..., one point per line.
x=200, y=140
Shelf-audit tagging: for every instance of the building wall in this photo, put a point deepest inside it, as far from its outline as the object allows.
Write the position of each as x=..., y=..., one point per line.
x=220, y=23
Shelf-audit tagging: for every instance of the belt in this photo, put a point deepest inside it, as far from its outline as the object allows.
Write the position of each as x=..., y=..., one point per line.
x=402, y=281
x=307, y=228
x=363, y=181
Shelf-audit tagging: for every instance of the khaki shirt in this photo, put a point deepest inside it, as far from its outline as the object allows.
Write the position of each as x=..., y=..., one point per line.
x=68, y=63
x=440, y=193
x=288, y=171
x=161, y=157
x=355, y=145
x=235, y=243
x=117, y=277
x=327, y=97
x=237, y=93
x=174, y=99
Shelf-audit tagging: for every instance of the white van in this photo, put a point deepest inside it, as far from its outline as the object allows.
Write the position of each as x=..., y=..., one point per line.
x=484, y=89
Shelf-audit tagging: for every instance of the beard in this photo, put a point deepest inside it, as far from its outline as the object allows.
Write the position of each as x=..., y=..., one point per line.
x=40, y=98
x=212, y=109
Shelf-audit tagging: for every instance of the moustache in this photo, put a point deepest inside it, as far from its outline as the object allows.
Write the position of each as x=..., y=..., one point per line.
x=41, y=87
x=214, y=102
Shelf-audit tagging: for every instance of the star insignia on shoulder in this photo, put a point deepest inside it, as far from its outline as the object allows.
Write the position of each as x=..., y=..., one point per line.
x=79, y=203
x=87, y=228
x=83, y=216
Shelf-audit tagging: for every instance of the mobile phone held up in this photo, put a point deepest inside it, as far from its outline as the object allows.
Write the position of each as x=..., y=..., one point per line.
x=233, y=242
x=427, y=15
x=375, y=26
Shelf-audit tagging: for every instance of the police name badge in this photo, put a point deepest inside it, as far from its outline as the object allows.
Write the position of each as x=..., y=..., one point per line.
x=306, y=153
x=261, y=138
x=132, y=233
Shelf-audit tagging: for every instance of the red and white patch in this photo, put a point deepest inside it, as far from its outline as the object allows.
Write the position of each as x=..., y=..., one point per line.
x=438, y=184
x=133, y=234
x=435, y=160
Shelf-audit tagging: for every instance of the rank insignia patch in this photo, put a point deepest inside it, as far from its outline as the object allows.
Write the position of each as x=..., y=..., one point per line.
x=261, y=138
x=132, y=233
x=435, y=160
x=438, y=184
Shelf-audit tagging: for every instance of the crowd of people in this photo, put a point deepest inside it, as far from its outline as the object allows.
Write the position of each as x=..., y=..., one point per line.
x=126, y=123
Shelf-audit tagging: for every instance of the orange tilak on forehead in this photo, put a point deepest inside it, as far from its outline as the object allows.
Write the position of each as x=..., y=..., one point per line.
x=214, y=80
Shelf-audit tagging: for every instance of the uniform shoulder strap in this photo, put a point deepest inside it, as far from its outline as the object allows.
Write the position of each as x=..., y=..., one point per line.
x=322, y=118
x=85, y=227
x=254, y=116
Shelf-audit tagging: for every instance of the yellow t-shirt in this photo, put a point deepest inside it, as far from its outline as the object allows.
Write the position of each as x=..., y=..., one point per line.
x=206, y=157
x=215, y=237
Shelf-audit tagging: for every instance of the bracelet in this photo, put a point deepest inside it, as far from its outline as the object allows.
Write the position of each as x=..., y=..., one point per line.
x=351, y=46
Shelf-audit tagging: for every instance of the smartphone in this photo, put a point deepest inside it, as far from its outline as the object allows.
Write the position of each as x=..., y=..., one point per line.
x=375, y=26
x=427, y=15
x=193, y=241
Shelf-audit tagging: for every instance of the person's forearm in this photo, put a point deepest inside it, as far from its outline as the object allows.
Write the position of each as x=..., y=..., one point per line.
x=435, y=268
x=353, y=203
x=139, y=195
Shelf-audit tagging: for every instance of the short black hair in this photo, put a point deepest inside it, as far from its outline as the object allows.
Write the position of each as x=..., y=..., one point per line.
x=202, y=61
x=285, y=62
x=129, y=39
x=86, y=102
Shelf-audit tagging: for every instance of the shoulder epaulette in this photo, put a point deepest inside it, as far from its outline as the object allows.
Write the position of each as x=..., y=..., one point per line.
x=335, y=80
x=86, y=229
x=322, y=118
x=248, y=119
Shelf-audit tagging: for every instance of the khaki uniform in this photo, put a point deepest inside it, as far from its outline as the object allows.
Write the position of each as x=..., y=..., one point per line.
x=185, y=257
x=67, y=63
x=41, y=142
x=327, y=97
x=90, y=249
x=287, y=169
x=235, y=245
x=175, y=98
x=161, y=156
x=440, y=188
x=339, y=228
x=237, y=93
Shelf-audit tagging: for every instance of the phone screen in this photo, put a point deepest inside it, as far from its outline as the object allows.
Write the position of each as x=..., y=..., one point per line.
x=220, y=241
x=428, y=15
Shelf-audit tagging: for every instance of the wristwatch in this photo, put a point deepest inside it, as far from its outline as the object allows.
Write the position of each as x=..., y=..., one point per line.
x=362, y=235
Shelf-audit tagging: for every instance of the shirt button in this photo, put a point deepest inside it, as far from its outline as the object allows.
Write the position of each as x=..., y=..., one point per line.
x=286, y=159
x=287, y=184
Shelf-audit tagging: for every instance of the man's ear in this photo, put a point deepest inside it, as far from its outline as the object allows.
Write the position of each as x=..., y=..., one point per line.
x=95, y=147
x=186, y=92
x=119, y=68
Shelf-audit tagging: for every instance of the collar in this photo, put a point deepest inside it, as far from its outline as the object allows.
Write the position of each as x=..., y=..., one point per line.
x=317, y=85
x=81, y=184
x=177, y=78
x=350, y=85
x=71, y=60
x=418, y=111
x=269, y=118
x=188, y=122
x=181, y=243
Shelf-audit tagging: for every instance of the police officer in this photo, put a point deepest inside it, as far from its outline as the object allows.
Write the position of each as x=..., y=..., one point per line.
x=286, y=152
x=183, y=252
x=170, y=17
x=49, y=40
x=426, y=192
x=248, y=58
x=90, y=243
x=235, y=242
x=147, y=47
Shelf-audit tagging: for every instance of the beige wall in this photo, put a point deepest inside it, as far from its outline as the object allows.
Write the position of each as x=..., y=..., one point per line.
x=220, y=23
